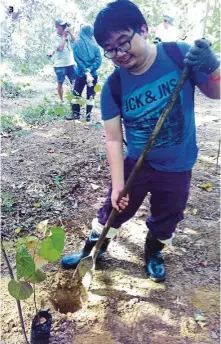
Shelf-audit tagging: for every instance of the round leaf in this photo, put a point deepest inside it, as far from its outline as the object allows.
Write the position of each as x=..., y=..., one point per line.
x=52, y=247
x=24, y=263
x=97, y=88
x=59, y=111
x=69, y=96
x=38, y=276
x=20, y=290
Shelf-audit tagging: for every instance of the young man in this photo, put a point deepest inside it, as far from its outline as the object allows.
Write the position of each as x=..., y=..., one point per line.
x=148, y=76
x=63, y=57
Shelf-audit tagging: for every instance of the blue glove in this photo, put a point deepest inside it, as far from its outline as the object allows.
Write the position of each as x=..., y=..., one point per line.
x=201, y=58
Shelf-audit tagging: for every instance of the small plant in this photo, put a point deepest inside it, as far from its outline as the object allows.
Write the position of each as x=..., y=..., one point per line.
x=7, y=202
x=45, y=112
x=12, y=89
x=32, y=252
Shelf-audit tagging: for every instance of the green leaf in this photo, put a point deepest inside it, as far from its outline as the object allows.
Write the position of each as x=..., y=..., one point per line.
x=59, y=111
x=38, y=276
x=20, y=290
x=97, y=88
x=52, y=247
x=24, y=263
x=69, y=96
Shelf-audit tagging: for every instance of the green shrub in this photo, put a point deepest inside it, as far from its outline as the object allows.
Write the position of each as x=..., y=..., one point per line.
x=45, y=112
x=10, y=89
x=8, y=124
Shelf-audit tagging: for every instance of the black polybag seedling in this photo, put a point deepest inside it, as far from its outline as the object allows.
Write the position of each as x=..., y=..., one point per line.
x=40, y=333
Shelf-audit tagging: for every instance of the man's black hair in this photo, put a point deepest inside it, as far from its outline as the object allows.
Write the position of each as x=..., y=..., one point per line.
x=117, y=16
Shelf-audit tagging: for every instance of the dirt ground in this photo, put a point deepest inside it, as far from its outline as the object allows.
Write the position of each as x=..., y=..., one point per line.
x=62, y=167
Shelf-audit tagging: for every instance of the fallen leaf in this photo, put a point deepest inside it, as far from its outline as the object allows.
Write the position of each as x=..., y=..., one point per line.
x=194, y=211
x=42, y=226
x=214, y=335
x=94, y=186
x=37, y=205
x=14, y=151
x=203, y=263
x=5, y=154
x=17, y=230
x=206, y=186
x=198, y=316
x=50, y=150
x=75, y=205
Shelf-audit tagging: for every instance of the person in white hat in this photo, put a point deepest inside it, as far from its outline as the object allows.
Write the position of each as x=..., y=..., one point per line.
x=63, y=58
x=167, y=31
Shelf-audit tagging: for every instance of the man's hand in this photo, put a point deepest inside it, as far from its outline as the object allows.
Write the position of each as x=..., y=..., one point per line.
x=65, y=34
x=70, y=33
x=201, y=58
x=123, y=202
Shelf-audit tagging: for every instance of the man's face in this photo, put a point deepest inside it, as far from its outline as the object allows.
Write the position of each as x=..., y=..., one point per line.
x=137, y=52
x=60, y=29
x=166, y=24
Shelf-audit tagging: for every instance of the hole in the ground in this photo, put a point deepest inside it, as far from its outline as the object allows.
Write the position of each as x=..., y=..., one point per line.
x=65, y=293
x=65, y=301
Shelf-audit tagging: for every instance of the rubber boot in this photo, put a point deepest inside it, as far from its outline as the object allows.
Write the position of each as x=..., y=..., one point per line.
x=88, y=112
x=155, y=267
x=72, y=260
x=75, y=112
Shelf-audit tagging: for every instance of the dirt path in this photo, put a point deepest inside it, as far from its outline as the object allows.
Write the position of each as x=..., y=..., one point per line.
x=63, y=168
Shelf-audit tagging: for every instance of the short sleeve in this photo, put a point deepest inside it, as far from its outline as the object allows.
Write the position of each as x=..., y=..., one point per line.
x=109, y=108
x=198, y=77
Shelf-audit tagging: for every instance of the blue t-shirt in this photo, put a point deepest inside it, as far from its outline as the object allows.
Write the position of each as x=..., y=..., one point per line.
x=143, y=99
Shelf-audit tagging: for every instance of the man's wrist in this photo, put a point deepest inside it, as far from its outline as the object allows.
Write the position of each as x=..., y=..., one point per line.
x=215, y=76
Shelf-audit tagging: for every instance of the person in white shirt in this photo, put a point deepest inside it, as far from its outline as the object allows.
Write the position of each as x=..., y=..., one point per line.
x=166, y=31
x=63, y=58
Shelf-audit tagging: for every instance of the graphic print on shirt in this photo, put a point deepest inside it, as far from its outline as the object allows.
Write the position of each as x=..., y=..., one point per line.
x=143, y=107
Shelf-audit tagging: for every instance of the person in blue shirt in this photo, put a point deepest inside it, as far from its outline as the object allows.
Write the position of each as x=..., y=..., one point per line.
x=148, y=76
x=88, y=58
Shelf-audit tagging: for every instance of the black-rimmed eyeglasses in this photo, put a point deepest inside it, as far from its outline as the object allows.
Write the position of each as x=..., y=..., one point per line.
x=123, y=48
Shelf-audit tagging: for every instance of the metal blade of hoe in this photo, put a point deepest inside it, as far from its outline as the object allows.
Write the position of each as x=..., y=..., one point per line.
x=85, y=269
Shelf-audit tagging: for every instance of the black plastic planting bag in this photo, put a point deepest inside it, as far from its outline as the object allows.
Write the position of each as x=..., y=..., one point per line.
x=40, y=332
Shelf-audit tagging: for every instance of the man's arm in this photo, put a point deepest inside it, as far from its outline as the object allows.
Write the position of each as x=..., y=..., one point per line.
x=97, y=62
x=212, y=88
x=201, y=58
x=80, y=62
x=114, y=145
x=71, y=34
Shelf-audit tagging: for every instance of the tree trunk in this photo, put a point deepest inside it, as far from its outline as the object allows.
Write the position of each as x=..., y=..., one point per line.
x=205, y=18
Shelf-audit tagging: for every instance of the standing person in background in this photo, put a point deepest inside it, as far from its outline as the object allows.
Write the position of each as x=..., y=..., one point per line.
x=166, y=31
x=63, y=57
x=88, y=58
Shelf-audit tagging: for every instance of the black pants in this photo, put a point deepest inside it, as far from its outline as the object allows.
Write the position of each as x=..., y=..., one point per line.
x=80, y=83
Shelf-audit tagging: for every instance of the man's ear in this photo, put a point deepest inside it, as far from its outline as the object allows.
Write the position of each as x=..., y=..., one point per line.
x=143, y=31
